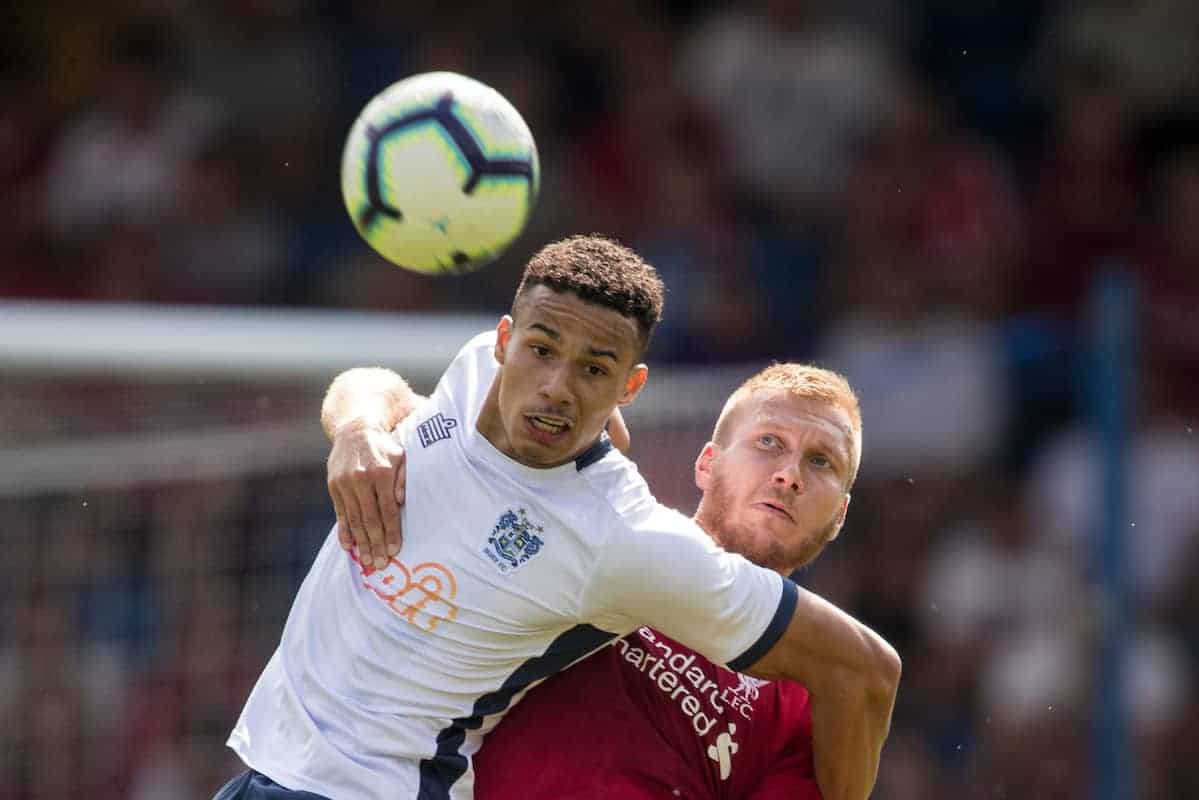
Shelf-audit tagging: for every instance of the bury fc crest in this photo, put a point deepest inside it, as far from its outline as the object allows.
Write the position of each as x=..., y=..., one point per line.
x=513, y=540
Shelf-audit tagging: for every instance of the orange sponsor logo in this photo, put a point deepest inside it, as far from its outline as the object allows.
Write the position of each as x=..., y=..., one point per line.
x=422, y=595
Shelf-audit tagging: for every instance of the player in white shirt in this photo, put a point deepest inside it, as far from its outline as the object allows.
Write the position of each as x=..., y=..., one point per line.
x=529, y=542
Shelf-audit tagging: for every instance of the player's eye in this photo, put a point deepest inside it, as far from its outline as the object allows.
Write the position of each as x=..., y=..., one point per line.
x=595, y=370
x=768, y=440
x=541, y=350
x=820, y=460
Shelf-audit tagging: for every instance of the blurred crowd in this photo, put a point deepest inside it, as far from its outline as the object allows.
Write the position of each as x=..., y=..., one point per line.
x=922, y=195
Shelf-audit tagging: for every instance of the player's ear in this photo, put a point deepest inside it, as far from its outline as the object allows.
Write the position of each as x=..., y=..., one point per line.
x=841, y=517
x=503, y=332
x=633, y=384
x=703, y=466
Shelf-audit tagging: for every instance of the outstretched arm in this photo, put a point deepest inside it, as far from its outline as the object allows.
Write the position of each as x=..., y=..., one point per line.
x=365, y=467
x=852, y=675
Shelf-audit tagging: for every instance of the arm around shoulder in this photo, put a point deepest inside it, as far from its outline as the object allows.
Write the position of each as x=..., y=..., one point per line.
x=852, y=674
x=365, y=466
x=821, y=637
x=371, y=396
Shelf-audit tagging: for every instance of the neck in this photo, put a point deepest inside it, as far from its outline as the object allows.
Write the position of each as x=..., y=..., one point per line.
x=698, y=519
x=710, y=529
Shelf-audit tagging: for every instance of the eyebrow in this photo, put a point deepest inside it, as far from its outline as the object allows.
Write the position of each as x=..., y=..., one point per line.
x=831, y=448
x=557, y=337
x=548, y=331
x=843, y=456
x=602, y=353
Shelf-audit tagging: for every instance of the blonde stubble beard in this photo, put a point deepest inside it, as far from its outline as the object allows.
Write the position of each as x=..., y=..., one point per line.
x=762, y=549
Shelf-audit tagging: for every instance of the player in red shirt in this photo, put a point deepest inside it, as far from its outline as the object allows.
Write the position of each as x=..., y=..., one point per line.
x=647, y=717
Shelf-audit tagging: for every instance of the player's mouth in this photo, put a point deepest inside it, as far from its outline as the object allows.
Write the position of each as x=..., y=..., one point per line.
x=776, y=509
x=546, y=428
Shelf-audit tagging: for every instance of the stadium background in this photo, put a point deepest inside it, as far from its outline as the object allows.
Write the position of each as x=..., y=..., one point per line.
x=923, y=195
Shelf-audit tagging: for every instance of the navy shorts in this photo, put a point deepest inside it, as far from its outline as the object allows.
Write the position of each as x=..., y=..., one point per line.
x=251, y=785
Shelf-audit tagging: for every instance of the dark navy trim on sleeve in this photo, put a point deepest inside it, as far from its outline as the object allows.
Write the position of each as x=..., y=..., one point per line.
x=778, y=624
x=594, y=453
x=439, y=773
x=253, y=785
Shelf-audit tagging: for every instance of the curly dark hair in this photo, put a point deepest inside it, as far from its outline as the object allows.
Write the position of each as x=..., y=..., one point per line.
x=602, y=271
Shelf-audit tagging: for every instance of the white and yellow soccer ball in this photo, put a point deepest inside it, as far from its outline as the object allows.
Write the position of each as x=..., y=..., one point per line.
x=440, y=173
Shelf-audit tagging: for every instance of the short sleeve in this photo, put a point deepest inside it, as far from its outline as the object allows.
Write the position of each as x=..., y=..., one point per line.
x=660, y=569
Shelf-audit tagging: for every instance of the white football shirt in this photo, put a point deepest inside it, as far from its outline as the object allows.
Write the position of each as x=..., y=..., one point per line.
x=384, y=682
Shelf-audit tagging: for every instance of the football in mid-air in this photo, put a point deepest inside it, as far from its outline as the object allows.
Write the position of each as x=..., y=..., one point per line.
x=440, y=173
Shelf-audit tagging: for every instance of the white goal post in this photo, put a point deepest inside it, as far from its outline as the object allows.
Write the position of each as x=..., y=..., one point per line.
x=251, y=348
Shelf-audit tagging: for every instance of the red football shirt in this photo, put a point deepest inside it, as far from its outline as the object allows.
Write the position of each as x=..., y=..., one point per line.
x=647, y=717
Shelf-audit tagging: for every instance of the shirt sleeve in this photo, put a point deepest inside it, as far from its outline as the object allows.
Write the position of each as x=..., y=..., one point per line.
x=787, y=747
x=660, y=569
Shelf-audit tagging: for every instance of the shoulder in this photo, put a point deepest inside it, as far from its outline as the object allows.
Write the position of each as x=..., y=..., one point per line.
x=614, y=477
x=471, y=372
x=484, y=342
x=476, y=355
x=633, y=507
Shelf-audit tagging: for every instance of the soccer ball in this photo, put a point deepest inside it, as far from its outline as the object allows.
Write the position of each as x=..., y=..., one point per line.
x=439, y=173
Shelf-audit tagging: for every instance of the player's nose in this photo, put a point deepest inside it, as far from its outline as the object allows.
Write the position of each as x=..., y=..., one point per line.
x=555, y=386
x=789, y=476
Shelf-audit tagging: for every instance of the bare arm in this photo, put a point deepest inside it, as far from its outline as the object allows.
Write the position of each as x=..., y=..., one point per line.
x=366, y=465
x=849, y=726
x=852, y=675
x=372, y=396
